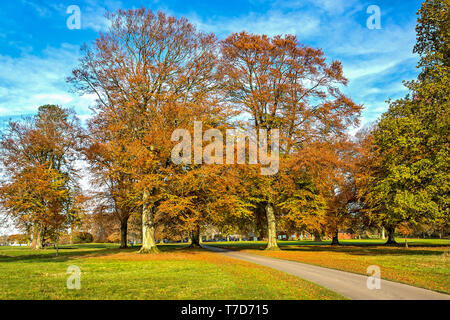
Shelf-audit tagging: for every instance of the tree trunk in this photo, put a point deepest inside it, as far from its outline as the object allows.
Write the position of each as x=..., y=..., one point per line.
x=38, y=238
x=148, y=227
x=57, y=245
x=195, y=238
x=271, y=228
x=123, y=233
x=317, y=237
x=406, y=243
x=391, y=235
x=383, y=233
x=335, y=241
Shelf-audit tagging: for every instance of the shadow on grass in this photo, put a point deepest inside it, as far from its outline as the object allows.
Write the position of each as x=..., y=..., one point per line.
x=78, y=251
x=50, y=256
x=365, y=249
x=68, y=252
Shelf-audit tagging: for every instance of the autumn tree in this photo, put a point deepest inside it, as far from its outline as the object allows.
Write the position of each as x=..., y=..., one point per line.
x=207, y=195
x=280, y=84
x=114, y=187
x=40, y=189
x=301, y=204
x=338, y=184
x=152, y=74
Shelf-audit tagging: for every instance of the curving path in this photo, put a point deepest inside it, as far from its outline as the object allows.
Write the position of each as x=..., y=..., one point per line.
x=350, y=285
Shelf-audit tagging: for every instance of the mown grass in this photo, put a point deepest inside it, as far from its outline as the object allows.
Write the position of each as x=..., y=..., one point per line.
x=176, y=273
x=426, y=263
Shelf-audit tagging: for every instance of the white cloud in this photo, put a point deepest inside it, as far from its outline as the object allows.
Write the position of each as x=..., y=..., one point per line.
x=93, y=15
x=271, y=23
x=56, y=98
x=372, y=67
x=28, y=81
x=40, y=9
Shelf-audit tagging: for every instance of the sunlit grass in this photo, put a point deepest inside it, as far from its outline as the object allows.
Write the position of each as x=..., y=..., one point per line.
x=424, y=264
x=176, y=273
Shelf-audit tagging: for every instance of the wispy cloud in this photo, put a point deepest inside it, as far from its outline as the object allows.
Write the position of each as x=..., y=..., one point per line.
x=40, y=9
x=93, y=14
x=28, y=81
x=271, y=23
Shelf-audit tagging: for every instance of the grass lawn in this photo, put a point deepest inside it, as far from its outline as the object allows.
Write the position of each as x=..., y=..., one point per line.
x=425, y=264
x=177, y=273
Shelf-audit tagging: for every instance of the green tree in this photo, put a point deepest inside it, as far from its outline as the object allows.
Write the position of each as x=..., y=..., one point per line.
x=409, y=172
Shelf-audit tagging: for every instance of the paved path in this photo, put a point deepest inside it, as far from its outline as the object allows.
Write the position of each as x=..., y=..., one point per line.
x=350, y=285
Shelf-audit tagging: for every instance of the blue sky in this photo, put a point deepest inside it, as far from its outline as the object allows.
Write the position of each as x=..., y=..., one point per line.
x=38, y=51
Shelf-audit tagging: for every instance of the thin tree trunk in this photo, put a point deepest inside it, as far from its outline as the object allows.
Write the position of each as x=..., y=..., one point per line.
x=391, y=236
x=195, y=238
x=57, y=245
x=335, y=241
x=383, y=233
x=148, y=227
x=271, y=228
x=123, y=233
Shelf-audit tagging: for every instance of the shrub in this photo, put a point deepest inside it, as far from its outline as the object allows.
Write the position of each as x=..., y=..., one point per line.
x=82, y=237
x=114, y=238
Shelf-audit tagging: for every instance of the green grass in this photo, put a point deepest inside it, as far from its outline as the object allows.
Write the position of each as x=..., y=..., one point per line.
x=424, y=264
x=176, y=273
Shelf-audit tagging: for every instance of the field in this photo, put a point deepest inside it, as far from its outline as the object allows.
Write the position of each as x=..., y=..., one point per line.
x=177, y=273
x=182, y=273
x=426, y=263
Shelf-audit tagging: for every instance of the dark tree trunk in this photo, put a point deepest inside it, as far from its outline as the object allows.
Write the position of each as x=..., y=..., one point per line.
x=317, y=237
x=123, y=233
x=391, y=236
x=260, y=221
x=57, y=245
x=195, y=238
x=335, y=241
